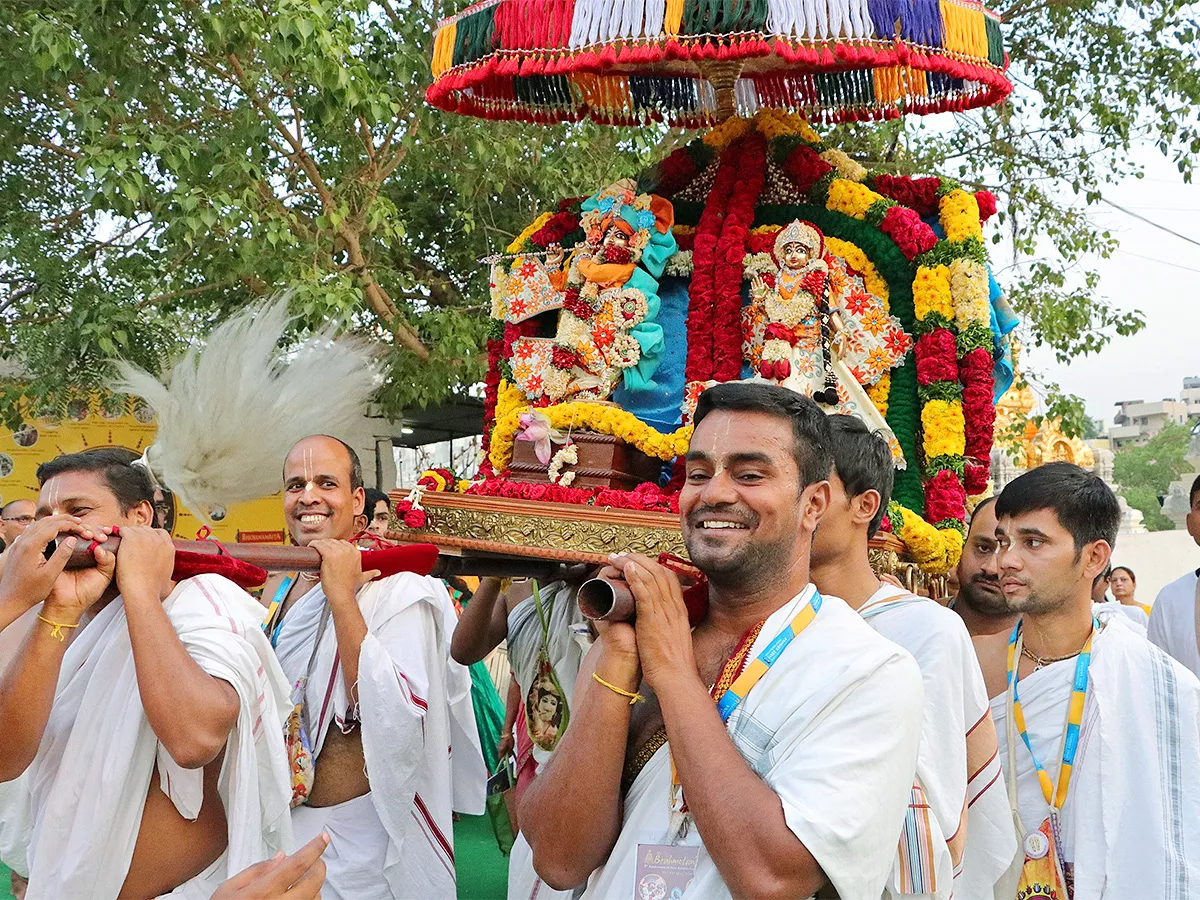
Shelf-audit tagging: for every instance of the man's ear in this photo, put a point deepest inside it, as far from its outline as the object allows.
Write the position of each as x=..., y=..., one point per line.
x=360, y=501
x=865, y=506
x=813, y=503
x=143, y=513
x=1096, y=556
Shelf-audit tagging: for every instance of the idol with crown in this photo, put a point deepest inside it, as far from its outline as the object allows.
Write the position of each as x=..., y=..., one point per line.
x=816, y=330
x=607, y=296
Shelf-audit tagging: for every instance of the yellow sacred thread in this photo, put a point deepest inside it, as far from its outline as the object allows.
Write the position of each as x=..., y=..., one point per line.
x=56, y=628
x=633, y=697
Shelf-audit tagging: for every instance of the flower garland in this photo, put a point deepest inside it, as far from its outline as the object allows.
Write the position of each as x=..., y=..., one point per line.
x=518, y=243
x=935, y=550
x=730, y=251
x=582, y=416
x=565, y=456
x=701, y=346
x=646, y=497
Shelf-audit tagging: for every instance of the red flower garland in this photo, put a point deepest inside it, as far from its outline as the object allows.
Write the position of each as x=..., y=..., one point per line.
x=936, y=357
x=919, y=194
x=979, y=414
x=751, y=155
x=701, y=292
x=805, y=167
x=762, y=242
x=906, y=228
x=945, y=497
x=648, y=497
x=987, y=204
x=675, y=172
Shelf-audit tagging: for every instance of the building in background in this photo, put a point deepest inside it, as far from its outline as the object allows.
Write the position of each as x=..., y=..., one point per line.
x=1137, y=421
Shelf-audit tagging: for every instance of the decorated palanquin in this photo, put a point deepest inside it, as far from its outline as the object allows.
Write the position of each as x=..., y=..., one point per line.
x=754, y=252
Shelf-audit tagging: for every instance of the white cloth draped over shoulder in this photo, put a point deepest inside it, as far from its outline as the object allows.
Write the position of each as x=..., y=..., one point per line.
x=566, y=654
x=832, y=728
x=965, y=819
x=418, y=733
x=1135, y=616
x=1173, y=621
x=1131, y=823
x=89, y=780
x=14, y=795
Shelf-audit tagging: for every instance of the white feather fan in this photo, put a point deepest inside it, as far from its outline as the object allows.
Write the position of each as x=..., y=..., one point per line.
x=229, y=412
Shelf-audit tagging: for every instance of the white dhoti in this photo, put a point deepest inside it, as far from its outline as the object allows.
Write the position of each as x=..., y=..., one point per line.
x=832, y=728
x=89, y=780
x=958, y=838
x=15, y=826
x=565, y=654
x=418, y=733
x=1131, y=822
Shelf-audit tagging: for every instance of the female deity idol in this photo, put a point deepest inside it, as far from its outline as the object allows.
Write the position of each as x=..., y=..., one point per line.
x=814, y=345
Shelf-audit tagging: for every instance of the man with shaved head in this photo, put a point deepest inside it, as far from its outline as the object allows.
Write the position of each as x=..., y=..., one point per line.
x=381, y=712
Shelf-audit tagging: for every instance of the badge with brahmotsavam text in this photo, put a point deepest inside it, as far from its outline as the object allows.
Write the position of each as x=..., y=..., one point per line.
x=664, y=871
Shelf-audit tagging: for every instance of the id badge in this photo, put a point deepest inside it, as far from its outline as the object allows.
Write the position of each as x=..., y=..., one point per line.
x=664, y=871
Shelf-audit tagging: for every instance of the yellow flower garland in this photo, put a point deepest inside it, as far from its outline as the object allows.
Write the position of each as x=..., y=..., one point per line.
x=520, y=240
x=969, y=286
x=931, y=292
x=728, y=132
x=850, y=197
x=773, y=124
x=959, y=213
x=581, y=416
x=943, y=426
x=880, y=391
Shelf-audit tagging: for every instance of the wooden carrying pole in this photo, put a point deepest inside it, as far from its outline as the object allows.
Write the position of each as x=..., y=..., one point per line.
x=277, y=558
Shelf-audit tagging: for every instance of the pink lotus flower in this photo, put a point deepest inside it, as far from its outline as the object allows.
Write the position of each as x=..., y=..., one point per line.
x=535, y=428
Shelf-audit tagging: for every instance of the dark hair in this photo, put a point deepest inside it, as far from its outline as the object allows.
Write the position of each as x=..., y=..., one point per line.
x=980, y=507
x=810, y=426
x=356, y=475
x=1103, y=576
x=374, y=495
x=1116, y=569
x=863, y=460
x=11, y=503
x=130, y=484
x=1083, y=503
x=1195, y=490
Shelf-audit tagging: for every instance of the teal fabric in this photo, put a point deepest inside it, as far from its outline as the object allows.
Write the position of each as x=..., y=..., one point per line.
x=648, y=333
x=489, y=713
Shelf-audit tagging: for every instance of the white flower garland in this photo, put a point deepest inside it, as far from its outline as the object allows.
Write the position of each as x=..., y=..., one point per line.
x=566, y=456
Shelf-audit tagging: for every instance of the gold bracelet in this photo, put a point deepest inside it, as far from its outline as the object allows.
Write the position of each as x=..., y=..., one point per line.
x=633, y=697
x=56, y=628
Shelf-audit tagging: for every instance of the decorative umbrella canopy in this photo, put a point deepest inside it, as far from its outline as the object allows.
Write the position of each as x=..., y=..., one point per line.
x=693, y=63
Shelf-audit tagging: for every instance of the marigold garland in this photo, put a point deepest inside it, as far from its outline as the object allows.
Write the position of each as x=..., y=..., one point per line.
x=583, y=416
x=518, y=243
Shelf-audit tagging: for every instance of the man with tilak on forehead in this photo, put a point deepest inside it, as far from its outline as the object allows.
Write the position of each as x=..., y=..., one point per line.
x=382, y=740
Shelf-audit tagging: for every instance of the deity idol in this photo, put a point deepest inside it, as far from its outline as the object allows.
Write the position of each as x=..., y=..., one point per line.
x=817, y=331
x=606, y=332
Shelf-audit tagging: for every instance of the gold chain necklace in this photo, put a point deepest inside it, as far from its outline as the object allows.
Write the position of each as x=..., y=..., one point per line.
x=1043, y=661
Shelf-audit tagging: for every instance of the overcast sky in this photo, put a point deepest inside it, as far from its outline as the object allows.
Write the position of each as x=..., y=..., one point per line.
x=1153, y=272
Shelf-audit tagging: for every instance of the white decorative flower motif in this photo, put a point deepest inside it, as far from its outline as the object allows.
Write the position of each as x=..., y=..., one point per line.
x=625, y=351
x=680, y=264
x=566, y=456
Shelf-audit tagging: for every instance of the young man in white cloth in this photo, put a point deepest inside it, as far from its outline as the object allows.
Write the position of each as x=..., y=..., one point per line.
x=980, y=603
x=148, y=713
x=386, y=714
x=770, y=750
x=1100, y=730
x=958, y=836
x=532, y=644
x=1175, y=616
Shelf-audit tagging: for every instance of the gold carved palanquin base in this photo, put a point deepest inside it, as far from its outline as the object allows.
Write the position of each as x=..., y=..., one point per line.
x=472, y=525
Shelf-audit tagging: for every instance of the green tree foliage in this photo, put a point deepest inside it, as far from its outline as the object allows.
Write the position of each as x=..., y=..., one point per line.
x=165, y=161
x=1145, y=473
x=1094, y=79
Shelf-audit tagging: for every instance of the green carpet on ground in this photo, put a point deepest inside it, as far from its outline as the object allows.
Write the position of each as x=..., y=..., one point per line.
x=482, y=868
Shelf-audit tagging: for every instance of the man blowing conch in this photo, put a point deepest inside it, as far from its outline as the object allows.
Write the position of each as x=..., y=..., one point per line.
x=958, y=837
x=769, y=750
x=383, y=732
x=148, y=713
